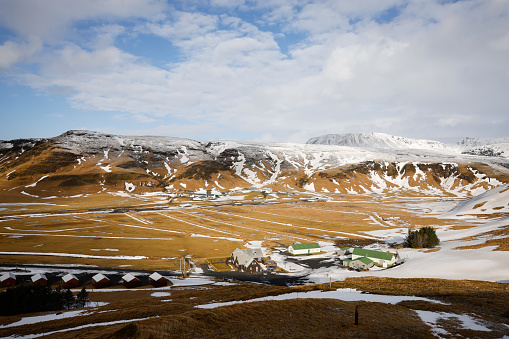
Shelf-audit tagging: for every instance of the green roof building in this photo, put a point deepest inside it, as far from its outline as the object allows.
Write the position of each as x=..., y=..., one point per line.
x=382, y=259
x=301, y=249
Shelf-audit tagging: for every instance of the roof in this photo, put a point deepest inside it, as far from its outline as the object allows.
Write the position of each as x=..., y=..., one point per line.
x=156, y=276
x=365, y=260
x=38, y=276
x=373, y=254
x=7, y=275
x=69, y=277
x=99, y=277
x=129, y=277
x=247, y=255
x=254, y=252
x=305, y=246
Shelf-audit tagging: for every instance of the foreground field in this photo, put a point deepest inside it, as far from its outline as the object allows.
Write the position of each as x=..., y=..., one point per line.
x=443, y=308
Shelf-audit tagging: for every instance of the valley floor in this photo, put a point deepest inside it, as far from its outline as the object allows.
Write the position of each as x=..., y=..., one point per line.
x=457, y=289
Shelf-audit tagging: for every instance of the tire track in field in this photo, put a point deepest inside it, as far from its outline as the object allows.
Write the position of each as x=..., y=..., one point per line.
x=235, y=225
x=282, y=215
x=200, y=226
x=303, y=227
x=56, y=231
x=133, y=226
x=83, y=236
x=140, y=219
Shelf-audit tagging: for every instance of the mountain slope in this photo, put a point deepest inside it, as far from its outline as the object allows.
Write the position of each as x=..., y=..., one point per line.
x=375, y=140
x=494, y=147
x=92, y=162
x=495, y=201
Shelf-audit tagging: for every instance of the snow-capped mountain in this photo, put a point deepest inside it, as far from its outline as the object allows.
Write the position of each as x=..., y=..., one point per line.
x=378, y=163
x=375, y=140
x=493, y=147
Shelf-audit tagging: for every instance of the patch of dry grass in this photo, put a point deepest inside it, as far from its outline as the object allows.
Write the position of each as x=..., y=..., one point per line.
x=293, y=318
x=500, y=239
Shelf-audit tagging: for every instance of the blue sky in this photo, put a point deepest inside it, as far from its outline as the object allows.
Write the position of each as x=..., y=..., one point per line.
x=259, y=70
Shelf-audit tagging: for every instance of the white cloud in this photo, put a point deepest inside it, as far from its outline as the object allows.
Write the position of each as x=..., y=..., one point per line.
x=13, y=53
x=184, y=26
x=51, y=18
x=418, y=75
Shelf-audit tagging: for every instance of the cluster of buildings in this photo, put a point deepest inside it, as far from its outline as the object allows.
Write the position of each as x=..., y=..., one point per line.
x=363, y=259
x=251, y=260
x=99, y=280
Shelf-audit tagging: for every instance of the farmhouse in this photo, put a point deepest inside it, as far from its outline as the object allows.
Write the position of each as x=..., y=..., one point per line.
x=39, y=279
x=70, y=281
x=343, y=251
x=358, y=264
x=300, y=249
x=381, y=259
x=130, y=281
x=157, y=280
x=99, y=280
x=247, y=260
x=8, y=280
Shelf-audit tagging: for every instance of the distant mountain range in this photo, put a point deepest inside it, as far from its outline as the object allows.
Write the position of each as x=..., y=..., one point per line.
x=375, y=140
x=498, y=147
x=92, y=162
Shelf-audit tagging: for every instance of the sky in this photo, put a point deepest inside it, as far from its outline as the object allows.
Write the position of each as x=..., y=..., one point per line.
x=255, y=70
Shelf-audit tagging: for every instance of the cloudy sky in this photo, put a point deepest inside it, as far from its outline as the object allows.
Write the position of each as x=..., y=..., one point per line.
x=260, y=70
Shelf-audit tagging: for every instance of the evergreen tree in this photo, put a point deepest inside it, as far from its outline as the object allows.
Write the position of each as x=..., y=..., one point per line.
x=82, y=298
x=68, y=298
x=425, y=237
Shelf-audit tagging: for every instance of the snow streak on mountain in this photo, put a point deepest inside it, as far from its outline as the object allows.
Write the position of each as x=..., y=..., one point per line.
x=375, y=140
x=375, y=163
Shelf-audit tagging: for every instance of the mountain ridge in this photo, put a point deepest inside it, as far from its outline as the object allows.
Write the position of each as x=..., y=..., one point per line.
x=91, y=162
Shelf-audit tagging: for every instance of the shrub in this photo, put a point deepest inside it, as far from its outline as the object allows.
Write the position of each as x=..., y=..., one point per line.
x=37, y=298
x=425, y=237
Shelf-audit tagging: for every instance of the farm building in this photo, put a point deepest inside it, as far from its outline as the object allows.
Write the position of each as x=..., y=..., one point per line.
x=344, y=250
x=99, y=280
x=247, y=260
x=39, y=279
x=362, y=263
x=8, y=280
x=130, y=281
x=157, y=280
x=300, y=249
x=381, y=259
x=70, y=281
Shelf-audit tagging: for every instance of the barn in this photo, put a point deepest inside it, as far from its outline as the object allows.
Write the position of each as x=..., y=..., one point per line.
x=301, y=249
x=130, y=281
x=39, y=279
x=99, y=280
x=157, y=280
x=247, y=260
x=8, y=280
x=70, y=281
x=361, y=263
x=379, y=258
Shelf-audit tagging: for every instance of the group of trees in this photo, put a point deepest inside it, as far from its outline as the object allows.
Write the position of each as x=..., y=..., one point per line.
x=36, y=298
x=425, y=237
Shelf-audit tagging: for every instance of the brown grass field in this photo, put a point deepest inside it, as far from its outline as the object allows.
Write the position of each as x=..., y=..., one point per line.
x=208, y=231
x=77, y=226
x=310, y=318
